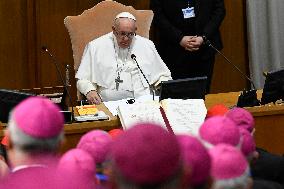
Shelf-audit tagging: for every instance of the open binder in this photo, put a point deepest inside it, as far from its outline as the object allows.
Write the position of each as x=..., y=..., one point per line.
x=184, y=116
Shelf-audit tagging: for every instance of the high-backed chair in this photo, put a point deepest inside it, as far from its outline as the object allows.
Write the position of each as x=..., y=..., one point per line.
x=97, y=21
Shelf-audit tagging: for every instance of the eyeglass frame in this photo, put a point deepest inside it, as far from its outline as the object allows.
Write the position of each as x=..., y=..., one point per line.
x=122, y=34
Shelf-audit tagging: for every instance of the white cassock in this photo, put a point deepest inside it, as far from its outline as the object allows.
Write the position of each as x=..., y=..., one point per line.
x=103, y=62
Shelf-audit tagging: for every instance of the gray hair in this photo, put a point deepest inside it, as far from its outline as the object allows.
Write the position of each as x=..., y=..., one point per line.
x=116, y=21
x=235, y=183
x=29, y=144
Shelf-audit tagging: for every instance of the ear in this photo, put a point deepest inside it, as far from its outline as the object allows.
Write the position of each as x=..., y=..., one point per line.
x=113, y=28
x=185, y=178
x=249, y=183
x=209, y=182
x=9, y=142
x=62, y=144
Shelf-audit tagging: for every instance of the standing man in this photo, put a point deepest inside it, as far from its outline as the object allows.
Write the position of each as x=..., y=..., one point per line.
x=184, y=27
x=108, y=71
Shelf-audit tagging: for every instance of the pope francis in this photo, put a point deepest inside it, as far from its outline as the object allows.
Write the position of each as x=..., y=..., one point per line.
x=107, y=72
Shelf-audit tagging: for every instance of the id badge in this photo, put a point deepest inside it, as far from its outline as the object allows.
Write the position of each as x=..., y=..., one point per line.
x=188, y=12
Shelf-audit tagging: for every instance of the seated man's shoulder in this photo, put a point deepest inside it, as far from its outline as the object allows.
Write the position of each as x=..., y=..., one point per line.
x=144, y=40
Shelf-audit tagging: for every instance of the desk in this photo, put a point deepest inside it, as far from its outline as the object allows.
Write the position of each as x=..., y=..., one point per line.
x=74, y=131
x=269, y=121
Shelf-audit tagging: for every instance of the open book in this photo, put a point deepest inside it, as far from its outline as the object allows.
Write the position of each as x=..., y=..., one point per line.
x=184, y=116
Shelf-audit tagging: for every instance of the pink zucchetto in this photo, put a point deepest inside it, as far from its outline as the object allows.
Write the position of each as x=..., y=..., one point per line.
x=196, y=158
x=77, y=160
x=248, y=145
x=38, y=117
x=217, y=110
x=146, y=154
x=242, y=118
x=97, y=143
x=76, y=169
x=219, y=129
x=227, y=162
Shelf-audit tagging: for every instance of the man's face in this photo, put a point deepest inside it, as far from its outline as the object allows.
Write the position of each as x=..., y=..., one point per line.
x=124, y=32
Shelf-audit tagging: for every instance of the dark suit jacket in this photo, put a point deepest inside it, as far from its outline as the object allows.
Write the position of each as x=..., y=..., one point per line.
x=168, y=18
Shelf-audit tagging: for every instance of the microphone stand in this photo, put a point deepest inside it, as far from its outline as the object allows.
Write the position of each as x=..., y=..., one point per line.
x=247, y=98
x=62, y=80
x=150, y=87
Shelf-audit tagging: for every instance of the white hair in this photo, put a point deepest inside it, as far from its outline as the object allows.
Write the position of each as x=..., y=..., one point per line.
x=29, y=144
x=241, y=182
x=209, y=145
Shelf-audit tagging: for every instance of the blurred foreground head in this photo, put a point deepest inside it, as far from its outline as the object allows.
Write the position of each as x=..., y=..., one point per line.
x=219, y=129
x=76, y=169
x=197, y=161
x=230, y=168
x=35, y=128
x=242, y=118
x=96, y=143
x=146, y=156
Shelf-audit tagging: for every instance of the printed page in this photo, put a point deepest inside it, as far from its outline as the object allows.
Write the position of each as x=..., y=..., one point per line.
x=113, y=105
x=185, y=116
x=139, y=112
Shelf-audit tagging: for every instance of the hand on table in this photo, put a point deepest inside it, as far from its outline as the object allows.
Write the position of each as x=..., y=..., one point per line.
x=93, y=97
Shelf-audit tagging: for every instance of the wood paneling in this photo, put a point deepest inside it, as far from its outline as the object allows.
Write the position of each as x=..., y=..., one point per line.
x=31, y=44
x=52, y=33
x=27, y=25
x=233, y=30
x=14, y=71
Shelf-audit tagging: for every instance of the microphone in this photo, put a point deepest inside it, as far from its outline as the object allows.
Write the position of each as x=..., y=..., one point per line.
x=133, y=57
x=247, y=98
x=45, y=49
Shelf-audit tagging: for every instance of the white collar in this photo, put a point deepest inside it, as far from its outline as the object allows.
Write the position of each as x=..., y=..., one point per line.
x=20, y=167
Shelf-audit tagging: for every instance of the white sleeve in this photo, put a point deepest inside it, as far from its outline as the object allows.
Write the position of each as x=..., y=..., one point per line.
x=85, y=86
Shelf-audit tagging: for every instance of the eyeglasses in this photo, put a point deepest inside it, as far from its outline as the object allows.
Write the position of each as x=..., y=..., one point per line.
x=122, y=34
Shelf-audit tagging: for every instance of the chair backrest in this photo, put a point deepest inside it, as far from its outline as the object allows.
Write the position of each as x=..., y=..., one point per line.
x=97, y=21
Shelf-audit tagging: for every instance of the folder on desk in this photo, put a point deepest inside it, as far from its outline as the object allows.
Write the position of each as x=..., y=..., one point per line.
x=87, y=110
x=90, y=113
x=184, y=116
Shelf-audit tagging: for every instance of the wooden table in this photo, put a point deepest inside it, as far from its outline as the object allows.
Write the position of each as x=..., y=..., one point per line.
x=269, y=121
x=74, y=131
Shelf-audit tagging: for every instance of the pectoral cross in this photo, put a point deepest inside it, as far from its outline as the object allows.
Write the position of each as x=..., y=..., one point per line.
x=117, y=81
